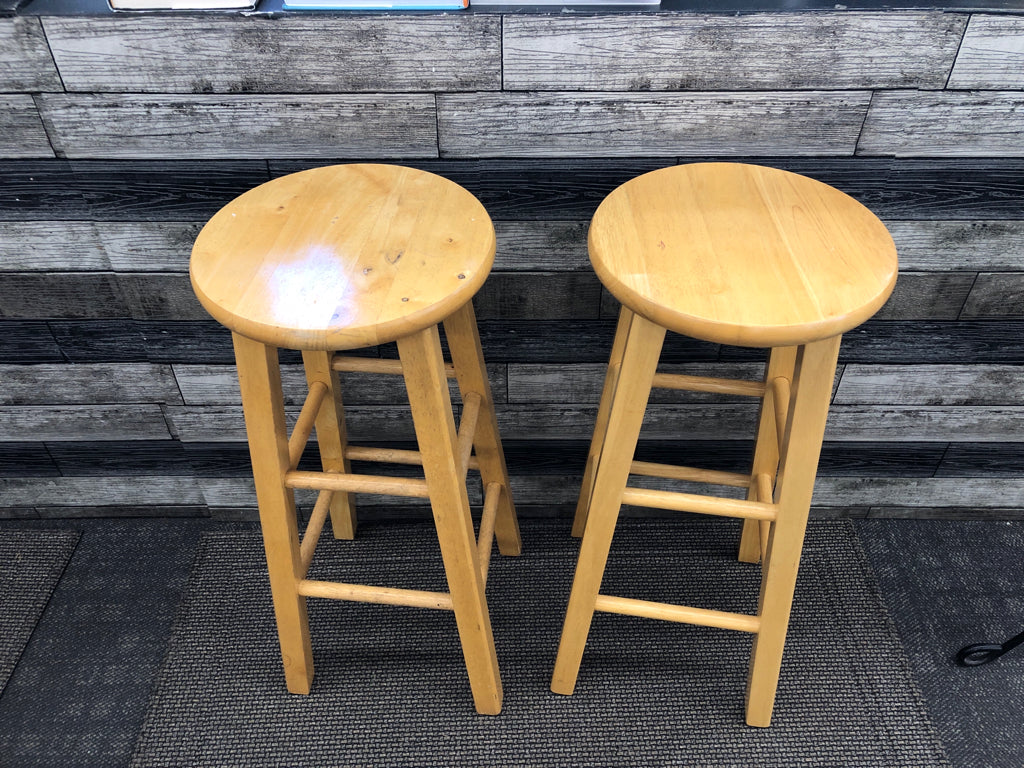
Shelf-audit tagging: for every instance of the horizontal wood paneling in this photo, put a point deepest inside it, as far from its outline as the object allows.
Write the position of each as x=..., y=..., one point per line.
x=335, y=54
x=983, y=459
x=92, y=491
x=240, y=126
x=113, y=190
x=88, y=384
x=996, y=295
x=759, y=51
x=917, y=492
x=138, y=246
x=959, y=245
x=946, y=513
x=552, y=246
x=909, y=343
x=624, y=124
x=21, y=131
x=160, y=297
x=991, y=55
x=944, y=124
x=26, y=459
x=51, y=246
x=135, y=457
x=28, y=342
x=82, y=422
x=25, y=60
x=932, y=385
x=67, y=295
x=925, y=423
x=539, y=296
x=927, y=296
x=950, y=188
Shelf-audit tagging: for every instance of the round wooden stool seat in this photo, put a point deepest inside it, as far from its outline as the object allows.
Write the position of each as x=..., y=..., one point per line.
x=343, y=256
x=741, y=254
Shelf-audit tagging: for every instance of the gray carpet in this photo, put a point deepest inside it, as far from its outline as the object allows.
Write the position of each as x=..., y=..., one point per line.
x=31, y=562
x=391, y=689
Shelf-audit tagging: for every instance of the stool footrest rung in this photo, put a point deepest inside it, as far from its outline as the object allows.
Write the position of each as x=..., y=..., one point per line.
x=692, y=474
x=704, y=505
x=485, y=539
x=335, y=481
x=467, y=431
x=392, y=456
x=304, y=424
x=361, y=593
x=678, y=613
x=313, y=528
x=351, y=364
x=709, y=384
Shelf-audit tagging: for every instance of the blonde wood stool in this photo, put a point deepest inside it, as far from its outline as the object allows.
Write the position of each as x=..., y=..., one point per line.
x=733, y=254
x=352, y=256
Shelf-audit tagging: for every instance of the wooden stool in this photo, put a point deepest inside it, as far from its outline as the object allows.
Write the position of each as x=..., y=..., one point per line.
x=352, y=256
x=733, y=254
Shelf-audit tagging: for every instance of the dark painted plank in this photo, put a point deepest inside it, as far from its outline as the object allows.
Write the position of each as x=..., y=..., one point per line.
x=21, y=131
x=927, y=296
x=751, y=52
x=25, y=60
x=32, y=295
x=953, y=189
x=240, y=126
x=116, y=458
x=911, y=343
x=550, y=246
x=194, y=342
x=983, y=460
x=991, y=55
x=630, y=124
x=160, y=296
x=361, y=53
x=88, y=384
x=22, y=459
x=114, y=190
x=96, y=341
x=24, y=341
x=944, y=124
x=539, y=296
x=999, y=295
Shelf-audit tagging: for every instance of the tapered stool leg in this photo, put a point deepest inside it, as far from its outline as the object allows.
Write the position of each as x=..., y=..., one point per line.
x=781, y=361
x=332, y=439
x=812, y=390
x=642, y=344
x=468, y=358
x=611, y=380
x=427, y=386
x=259, y=378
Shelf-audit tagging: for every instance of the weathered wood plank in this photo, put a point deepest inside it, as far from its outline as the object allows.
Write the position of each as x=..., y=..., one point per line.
x=999, y=294
x=51, y=246
x=161, y=510
x=137, y=246
x=238, y=492
x=951, y=188
x=991, y=54
x=113, y=190
x=918, y=343
x=240, y=126
x=88, y=384
x=931, y=385
x=25, y=459
x=539, y=296
x=925, y=423
x=552, y=246
x=27, y=343
x=971, y=246
x=220, y=423
x=362, y=53
x=944, y=124
x=25, y=61
x=100, y=491
x=95, y=341
x=917, y=492
x=82, y=422
x=982, y=460
x=114, y=458
x=624, y=124
x=927, y=296
x=946, y=513
x=761, y=51
x=21, y=130
x=160, y=296
x=34, y=295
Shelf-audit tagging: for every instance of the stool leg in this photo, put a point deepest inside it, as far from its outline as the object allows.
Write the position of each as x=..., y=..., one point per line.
x=332, y=439
x=427, y=385
x=259, y=378
x=468, y=358
x=611, y=380
x=642, y=344
x=812, y=390
x=781, y=361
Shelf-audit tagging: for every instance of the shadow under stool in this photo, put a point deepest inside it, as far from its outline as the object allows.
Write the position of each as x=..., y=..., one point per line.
x=732, y=254
x=338, y=258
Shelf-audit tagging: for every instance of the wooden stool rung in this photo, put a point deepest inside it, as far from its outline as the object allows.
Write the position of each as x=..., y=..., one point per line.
x=703, y=505
x=351, y=364
x=361, y=593
x=337, y=481
x=467, y=430
x=313, y=528
x=764, y=489
x=679, y=613
x=304, y=425
x=485, y=539
x=392, y=456
x=692, y=474
x=780, y=403
x=709, y=384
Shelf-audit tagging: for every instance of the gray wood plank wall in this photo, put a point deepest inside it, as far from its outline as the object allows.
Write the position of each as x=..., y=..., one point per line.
x=110, y=359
